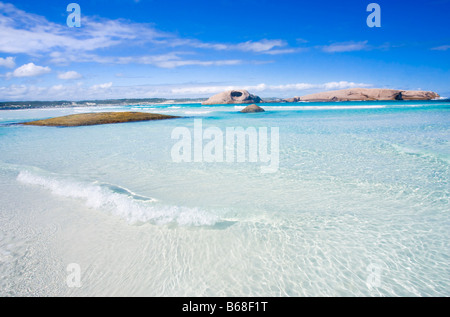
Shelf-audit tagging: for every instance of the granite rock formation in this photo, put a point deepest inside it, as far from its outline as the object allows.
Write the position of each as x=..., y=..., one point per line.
x=238, y=96
x=252, y=108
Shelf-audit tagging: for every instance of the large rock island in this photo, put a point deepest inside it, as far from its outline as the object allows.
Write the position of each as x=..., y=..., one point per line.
x=85, y=119
x=238, y=96
x=364, y=94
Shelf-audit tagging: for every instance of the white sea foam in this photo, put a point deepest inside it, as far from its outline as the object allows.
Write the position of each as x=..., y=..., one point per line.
x=123, y=203
x=197, y=112
x=281, y=108
x=143, y=109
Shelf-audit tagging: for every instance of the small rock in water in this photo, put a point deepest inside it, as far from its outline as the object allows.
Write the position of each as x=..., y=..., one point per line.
x=252, y=108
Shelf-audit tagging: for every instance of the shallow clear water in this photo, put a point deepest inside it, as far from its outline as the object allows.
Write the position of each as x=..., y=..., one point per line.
x=358, y=207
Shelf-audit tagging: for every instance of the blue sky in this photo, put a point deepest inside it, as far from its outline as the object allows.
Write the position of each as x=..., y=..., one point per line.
x=193, y=48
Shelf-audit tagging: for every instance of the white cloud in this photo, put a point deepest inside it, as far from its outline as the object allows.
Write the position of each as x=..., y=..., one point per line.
x=26, y=33
x=441, y=48
x=343, y=85
x=169, y=60
x=69, y=75
x=263, y=46
x=172, y=60
x=285, y=51
x=177, y=63
x=260, y=46
x=29, y=70
x=301, y=41
x=57, y=88
x=8, y=62
x=23, y=32
x=23, y=92
x=102, y=86
x=345, y=47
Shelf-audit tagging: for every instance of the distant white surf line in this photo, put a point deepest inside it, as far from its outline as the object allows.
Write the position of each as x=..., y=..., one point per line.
x=314, y=107
x=119, y=201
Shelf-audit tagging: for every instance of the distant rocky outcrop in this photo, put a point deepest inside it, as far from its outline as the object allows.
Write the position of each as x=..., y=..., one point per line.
x=294, y=99
x=252, y=108
x=418, y=95
x=364, y=94
x=238, y=96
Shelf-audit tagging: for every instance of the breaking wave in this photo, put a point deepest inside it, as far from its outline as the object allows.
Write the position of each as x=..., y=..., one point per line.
x=120, y=201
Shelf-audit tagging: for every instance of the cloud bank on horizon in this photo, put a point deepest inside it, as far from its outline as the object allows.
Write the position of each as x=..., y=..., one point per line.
x=118, y=53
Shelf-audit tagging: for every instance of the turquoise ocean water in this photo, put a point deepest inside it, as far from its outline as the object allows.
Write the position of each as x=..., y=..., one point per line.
x=359, y=205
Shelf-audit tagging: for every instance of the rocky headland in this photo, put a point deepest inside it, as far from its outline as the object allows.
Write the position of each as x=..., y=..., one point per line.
x=366, y=94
